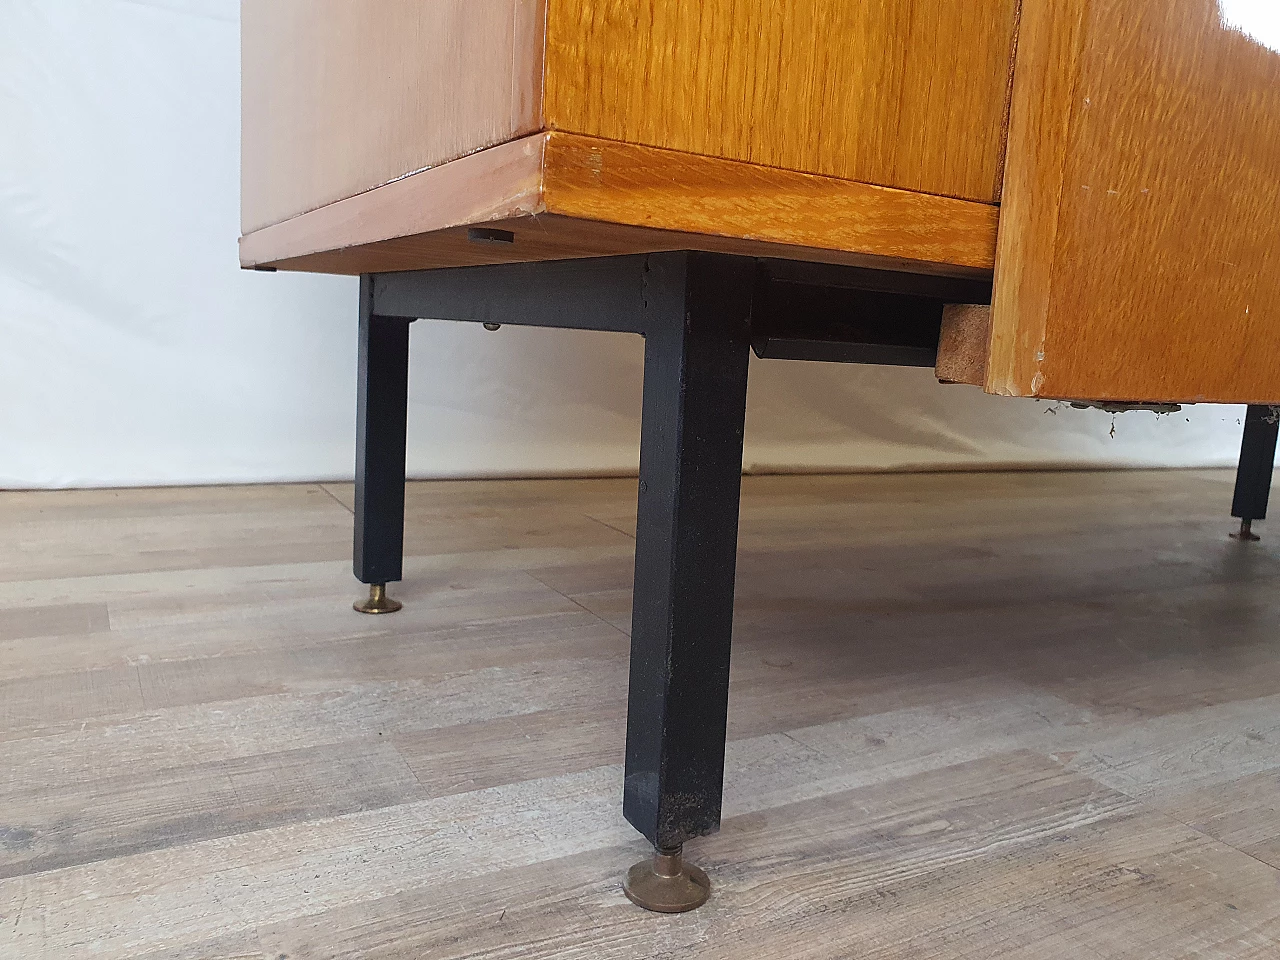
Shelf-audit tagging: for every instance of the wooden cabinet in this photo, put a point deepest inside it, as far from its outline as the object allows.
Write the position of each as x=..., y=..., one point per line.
x=1114, y=166
x=900, y=93
x=376, y=131
x=844, y=180
x=341, y=96
x=1139, y=252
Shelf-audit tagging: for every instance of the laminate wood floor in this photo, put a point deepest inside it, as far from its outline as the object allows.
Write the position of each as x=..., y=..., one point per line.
x=972, y=716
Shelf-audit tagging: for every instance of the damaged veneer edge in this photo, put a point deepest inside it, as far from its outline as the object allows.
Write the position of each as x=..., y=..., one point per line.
x=965, y=344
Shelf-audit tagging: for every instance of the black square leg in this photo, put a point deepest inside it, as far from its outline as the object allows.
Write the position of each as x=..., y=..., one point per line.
x=1253, y=476
x=381, y=415
x=695, y=385
x=696, y=312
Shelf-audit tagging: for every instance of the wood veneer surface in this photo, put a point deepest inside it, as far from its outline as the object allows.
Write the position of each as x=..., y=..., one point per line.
x=340, y=96
x=568, y=196
x=1139, y=254
x=904, y=93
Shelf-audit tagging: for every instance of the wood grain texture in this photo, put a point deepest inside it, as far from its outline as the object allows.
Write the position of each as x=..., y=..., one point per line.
x=662, y=189
x=1022, y=715
x=903, y=93
x=964, y=344
x=1139, y=253
x=340, y=97
x=569, y=196
x=504, y=181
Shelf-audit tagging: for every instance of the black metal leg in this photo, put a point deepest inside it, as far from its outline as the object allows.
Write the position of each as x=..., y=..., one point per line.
x=1253, y=476
x=381, y=413
x=695, y=384
x=700, y=314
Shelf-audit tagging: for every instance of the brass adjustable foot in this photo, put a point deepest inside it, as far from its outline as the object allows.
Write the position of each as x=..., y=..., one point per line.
x=378, y=601
x=1246, y=533
x=666, y=884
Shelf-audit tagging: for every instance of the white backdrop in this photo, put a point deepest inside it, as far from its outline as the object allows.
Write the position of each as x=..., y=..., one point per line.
x=134, y=351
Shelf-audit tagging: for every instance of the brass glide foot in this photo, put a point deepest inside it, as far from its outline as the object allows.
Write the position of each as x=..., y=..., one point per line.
x=666, y=884
x=1246, y=533
x=378, y=601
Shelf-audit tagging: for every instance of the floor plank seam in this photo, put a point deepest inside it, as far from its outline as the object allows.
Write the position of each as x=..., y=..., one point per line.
x=1218, y=841
x=332, y=496
x=629, y=534
x=593, y=614
x=1155, y=808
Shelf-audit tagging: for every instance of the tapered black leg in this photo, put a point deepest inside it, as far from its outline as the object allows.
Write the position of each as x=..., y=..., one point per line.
x=381, y=412
x=1253, y=476
x=695, y=385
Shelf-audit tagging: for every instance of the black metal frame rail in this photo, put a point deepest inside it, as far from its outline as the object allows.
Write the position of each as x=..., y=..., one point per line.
x=700, y=314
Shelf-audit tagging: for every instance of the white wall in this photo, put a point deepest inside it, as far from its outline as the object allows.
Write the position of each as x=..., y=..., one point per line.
x=134, y=351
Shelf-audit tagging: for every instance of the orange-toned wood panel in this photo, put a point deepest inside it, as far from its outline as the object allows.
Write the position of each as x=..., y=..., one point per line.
x=342, y=96
x=549, y=236
x=904, y=93
x=568, y=196
x=646, y=187
x=1139, y=252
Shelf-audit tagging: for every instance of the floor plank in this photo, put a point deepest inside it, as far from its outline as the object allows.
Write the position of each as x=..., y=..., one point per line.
x=972, y=715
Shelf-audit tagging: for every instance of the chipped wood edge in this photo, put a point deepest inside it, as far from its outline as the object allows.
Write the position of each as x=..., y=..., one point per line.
x=1040, y=118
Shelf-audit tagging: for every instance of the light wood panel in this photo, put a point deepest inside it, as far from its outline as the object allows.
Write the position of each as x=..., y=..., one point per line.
x=494, y=184
x=904, y=93
x=340, y=96
x=569, y=196
x=1139, y=253
x=1027, y=714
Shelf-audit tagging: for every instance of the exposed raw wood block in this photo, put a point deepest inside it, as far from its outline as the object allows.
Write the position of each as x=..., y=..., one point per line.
x=964, y=345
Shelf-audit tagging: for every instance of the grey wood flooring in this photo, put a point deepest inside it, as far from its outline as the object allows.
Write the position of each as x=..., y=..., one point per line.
x=972, y=715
